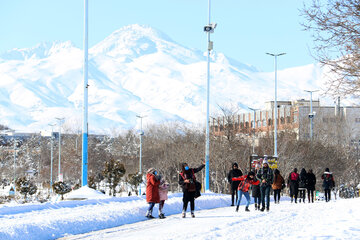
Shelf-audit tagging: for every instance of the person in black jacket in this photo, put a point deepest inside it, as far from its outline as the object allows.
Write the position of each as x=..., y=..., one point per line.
x=266, y=177
x=293, y=184
x=328, y=183
x=187, y=181
x=310, y=185
x=234, y=172
x=255, y=190
x=302, y=185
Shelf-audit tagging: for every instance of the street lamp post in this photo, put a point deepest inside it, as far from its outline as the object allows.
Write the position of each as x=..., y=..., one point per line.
x=253, y=138
x=60, y=123
x=208, y=29
x=85, y=103
x=275, y=102
x=311, y=114
x=51, y=154
x=140, y=154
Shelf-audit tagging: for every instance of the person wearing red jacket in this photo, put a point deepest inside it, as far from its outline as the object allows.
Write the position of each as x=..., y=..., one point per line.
x=243, y=189
x=152, y=190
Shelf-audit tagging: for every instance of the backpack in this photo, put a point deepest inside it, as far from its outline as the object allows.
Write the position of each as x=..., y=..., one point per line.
x=294, y=176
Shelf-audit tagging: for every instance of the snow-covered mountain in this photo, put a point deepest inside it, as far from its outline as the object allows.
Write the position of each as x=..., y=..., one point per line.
x=135, y=70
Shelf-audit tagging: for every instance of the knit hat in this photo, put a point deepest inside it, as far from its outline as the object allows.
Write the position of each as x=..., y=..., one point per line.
x=235, y=165
x=251, y=173
x=151, y=170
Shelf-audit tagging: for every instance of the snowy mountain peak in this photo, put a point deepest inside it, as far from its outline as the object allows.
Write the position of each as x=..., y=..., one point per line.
x=133, y=41
x=42, y=50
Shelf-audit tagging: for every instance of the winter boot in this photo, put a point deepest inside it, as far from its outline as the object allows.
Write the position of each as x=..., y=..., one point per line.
x=161, y=216
x=262, y=209
x=256, y=206
x=149, y=215
x=192, y=214
x=237, y=208
x=183, y=214
x=247, y=209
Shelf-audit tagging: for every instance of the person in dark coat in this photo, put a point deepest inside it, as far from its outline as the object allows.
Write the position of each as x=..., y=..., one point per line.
x=293, y=184
x=234, y=173
x=302, y=185
x=277, y=186
x=152, y=190
x=255, y=190
x=328, y=184
x=310, y=185
x=187, y=182
x=266, y=177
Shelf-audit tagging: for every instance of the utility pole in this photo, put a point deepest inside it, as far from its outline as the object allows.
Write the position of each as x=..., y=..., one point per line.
x=208, y=29
x=140, y=154
x=85, y=129
x=311, y=114
x=253, y=137
x=59, y=167
x=275, y=102
x=51, y=154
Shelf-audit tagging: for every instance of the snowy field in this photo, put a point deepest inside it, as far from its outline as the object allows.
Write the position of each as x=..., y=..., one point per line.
x=334, y=220
x=123, y=218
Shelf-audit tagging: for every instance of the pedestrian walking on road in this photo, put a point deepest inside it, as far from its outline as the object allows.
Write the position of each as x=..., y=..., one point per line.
x=278, y=185
x=310, y=185
x=266, y=176
x=187, y=181
x=243, y=189
x=302, y=185
x=234, y=172
x=152, y=190
x=163, y=193
x=328, y=184
x=255, y=190
x=293, y=184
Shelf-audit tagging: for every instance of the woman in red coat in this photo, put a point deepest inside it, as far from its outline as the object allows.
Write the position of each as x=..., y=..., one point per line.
x=152, y=190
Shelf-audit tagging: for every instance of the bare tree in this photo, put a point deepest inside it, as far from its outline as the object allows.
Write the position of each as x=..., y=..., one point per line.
x=335, y=29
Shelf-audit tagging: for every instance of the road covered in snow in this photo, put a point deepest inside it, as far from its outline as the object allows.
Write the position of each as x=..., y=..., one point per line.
x=338, y=219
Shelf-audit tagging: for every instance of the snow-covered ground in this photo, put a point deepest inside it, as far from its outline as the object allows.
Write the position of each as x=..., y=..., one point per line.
x=124, y=218
x=334, y=220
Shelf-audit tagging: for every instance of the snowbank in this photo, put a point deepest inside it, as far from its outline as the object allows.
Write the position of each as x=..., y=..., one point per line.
x=85, y=193
x=54, y=220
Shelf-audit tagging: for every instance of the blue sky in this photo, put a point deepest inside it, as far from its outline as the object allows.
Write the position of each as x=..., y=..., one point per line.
x=246, y=29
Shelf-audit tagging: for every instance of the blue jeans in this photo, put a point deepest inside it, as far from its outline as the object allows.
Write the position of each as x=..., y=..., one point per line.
x=265, y=193
x=151, y=206
x=247, y=196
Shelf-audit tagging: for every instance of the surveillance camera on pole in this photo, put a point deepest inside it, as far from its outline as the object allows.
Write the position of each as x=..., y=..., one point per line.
x=210, y=28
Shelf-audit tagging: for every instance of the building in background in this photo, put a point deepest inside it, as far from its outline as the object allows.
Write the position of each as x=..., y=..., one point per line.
x=336, y=124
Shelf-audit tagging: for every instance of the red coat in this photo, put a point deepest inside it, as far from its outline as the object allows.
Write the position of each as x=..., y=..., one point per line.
x=152, y=189
x=245, y=183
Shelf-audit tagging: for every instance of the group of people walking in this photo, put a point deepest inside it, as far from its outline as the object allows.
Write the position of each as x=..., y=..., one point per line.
x=299, y=183
x=260, y=182
x=263, y=179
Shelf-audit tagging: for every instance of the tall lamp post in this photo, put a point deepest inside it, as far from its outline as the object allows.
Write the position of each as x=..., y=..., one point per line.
x=275, y=102
x=51, y=155
x=209, y=28
x=140, y=154
x=253, y=138
x=85, y=129
x=60, y=123
x=311, y=114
